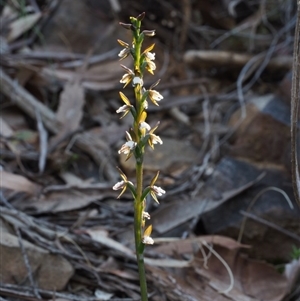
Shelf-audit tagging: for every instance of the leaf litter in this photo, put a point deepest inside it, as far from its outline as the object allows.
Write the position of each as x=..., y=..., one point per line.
x=60, y=219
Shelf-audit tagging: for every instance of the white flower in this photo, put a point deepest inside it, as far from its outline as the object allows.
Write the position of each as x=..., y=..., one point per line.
x=119, y=185
x=149, y=55
x=124, y=109
x=150, y=66
x=158, y=190
x=137, y=81
x=124, y=53
x=127, y=147
x=144, y=125
x=145, y=104
x=155, y=190
x=149, y=33
x=127, y=77
x=147, y=240
x=154, y=139
x=146, y=215
x=153, y=94
x=123, y=184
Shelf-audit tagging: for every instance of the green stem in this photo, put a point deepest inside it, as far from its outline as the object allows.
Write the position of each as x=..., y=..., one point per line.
x=138, y=211
x=139, y=202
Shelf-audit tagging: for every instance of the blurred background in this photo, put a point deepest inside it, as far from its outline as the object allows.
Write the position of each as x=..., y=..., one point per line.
x=226, y=71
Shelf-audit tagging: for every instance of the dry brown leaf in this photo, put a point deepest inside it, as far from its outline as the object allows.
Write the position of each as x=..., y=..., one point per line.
x=62, y=201
x=292, y=272
x=70, y=106
x=100, y=235
x=18, y=183
x=18, y=27
x=183, y=246
x=179, y=212
x=252, y=279
x=5, y=129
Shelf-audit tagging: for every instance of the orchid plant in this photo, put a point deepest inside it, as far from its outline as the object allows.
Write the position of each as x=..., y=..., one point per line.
x=139, y=135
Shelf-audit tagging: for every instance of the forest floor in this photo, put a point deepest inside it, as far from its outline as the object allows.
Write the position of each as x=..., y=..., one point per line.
x=228, y=227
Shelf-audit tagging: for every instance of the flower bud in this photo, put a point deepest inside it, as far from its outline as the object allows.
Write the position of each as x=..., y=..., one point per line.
x=126, y=26
x=149, y=33
x=141, y=16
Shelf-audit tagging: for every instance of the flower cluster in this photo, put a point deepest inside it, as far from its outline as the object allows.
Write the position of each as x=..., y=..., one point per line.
x=141, y=132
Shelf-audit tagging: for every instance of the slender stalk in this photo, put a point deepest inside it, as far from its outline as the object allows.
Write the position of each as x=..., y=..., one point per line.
x=138, y=203
x=138, y=210
x=141, y=134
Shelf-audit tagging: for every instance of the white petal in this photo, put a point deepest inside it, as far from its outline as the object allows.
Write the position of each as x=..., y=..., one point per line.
x=145, y=125
x=118, y=185
x=150, y=56
x=147, y=240
x=146, y=215
x=155, y=139
x=122, y=109
x=156, y=95
x=158, y=190
x=151, y=65
x=137, y=81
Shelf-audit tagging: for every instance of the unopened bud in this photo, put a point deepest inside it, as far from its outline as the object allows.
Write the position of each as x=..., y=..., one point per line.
x=126, y=26
x=149, y=33
x=141, y=16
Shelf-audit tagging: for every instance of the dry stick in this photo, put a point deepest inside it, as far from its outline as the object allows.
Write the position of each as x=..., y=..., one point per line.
x=269, y=224
x=27, y=264
x=27, y=102
x=43, y=137
x=23, y=292
x=30, y=104
x=252, y=203
x=45, y=17
x=295, y=95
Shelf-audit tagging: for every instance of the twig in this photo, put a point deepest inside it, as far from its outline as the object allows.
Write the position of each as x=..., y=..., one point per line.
x=186, y=20
x=24, y=292
x=83, y=186
x=295, y=95
x=43, y=135
x=30, y=104
x=27, y=264
x=254, y=201
x=269, y=224
x=50, y=10
x=261, y=68
x=225, y=264
x=35, y=6
x=27, y=102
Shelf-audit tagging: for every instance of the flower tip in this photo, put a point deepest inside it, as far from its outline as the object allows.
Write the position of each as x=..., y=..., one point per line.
x=126, y=26
x=147, y=240
x=141, y=16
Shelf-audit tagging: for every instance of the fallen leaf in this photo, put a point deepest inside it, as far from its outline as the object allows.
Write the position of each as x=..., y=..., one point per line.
x=5, y=129
x=183, y=246
x=178, y=212
x=255, y=279
x=70, y=106
x=51, y=271
x=18, y=183
x=101, y=236
x=102, y=295
x=18, y=27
